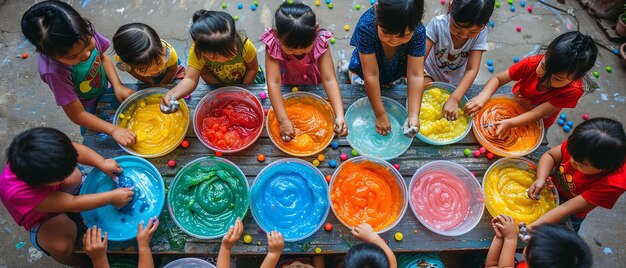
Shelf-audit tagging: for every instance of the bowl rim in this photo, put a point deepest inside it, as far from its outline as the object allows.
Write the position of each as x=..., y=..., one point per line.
x=214, y=93
x=397, y=176
x=150, y=167
x=177, y=177
x=188, y=259
x=320, y=177
x=142, y=94
x=446, y=87
x=469, y=178
x=296, y=95
x=384, y=99
x=497, y=151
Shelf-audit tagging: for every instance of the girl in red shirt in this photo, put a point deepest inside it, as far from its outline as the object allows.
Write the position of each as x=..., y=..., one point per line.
x=551, y=81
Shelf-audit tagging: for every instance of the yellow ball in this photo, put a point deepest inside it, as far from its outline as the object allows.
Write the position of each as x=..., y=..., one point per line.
x=318, y=250
x=398, y=236
x=247, y=239
x=317, y=3
x=316, y=162
x=294, y=89
x=346, y=27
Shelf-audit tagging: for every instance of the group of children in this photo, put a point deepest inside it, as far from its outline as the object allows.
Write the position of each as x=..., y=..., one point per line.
x=391, y=44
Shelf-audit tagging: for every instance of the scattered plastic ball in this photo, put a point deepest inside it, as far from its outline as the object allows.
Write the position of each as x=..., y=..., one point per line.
x=561, y=122
x=473, y=173
x=184, y=144
x=607, y=68
x=328, y=2
x=260, y=157
x=263, y=95
x=585, y=116
x=266, y=111
x=316, y=162
x=489, y=156
x=253, y=7
x=516, y=59
x=512, y=8
x=332, y=40
x=563, y=116
x=443, y=2
x=566, y=128
x=489, y=62
x=218, y=153
x=320, y=157
x=518, y=28
x=570, y=123
x=290, y=2
x=318, y=250
x=328, y=177
x=343, y=157
x=224, y=5
x=530, y=9
x=236, y=17
x=328, y=227
x=482, y=150
x=346, y=27
x=357, y=7
x=171, y=163
x=522, y=4
x=255, y=2
x=615, y=51
x=398, y=236
x=510, y=2
x=490, y=69
x=497, y=4
x=294, y=89
x=247, y=239
x=396, y=166
x=24, y=55
x=372, y=2
x=467, y=152
x=492, y=24
x=317, y=3
x=330, y=6
x=477, y=153
x=354, y=152
x=335, y=145
x=332, y=163
x=596, y=74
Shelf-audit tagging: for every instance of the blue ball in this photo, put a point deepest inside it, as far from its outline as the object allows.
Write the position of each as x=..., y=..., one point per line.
x=561, y=122
x=563, y=116
x=327, y=1
x=372, y=2
x=512, y=8
x=570, y=123
x=615, y=51
x=516, y=59
x=522, y=4
x=566, y=128
x=240, y=6
x=491, y=69
x=492, y=24
x=489, y=63
x=335, y=145
x=253, y=7
x=332, y=163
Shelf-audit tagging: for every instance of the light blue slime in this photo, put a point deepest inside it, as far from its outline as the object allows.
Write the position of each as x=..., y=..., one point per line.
x=362, y=134
x=121, y=224
x=290, y=197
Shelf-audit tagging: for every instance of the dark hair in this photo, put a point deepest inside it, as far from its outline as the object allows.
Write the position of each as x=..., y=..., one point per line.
x=601, y=141
x=296, y=25
x=39, y=156
x=366, y=255
x=553, y=246
x=396, y=16
x=471, y=12
x=214, y=31
x=573, y=53
x=138, y=46
x=53, y=27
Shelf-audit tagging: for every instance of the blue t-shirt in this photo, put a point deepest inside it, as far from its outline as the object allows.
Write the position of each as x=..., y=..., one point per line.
x=365, y=40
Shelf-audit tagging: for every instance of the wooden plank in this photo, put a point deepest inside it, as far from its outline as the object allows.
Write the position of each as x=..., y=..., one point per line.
x=169, y=239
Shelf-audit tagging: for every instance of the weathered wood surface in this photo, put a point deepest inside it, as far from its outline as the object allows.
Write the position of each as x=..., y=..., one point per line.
x=170, y=240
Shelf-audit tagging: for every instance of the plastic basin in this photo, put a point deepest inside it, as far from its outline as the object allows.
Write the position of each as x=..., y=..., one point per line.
x=449, y=88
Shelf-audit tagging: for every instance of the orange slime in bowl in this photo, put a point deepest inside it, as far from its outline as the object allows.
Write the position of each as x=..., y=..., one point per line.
x=518, y=140
x=366, y=192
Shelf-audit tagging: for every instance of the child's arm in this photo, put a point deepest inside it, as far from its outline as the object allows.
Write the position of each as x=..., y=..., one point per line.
x=329, y=80
x=275, y=245
x=493, y=256
x=547, y=161
x=365, y=232
x=144, y=79
x=475, y=104
x=507, y=227
x=318, y=261
x=451, y=107
x=415, y=88
x=371, y=77
x=121, y=91
x=89, y=157
x=96, y=247
x=272, y=66
x=185, y=87
x=77, y=114
x=537, y=113
x=573, y=206
x=253, y=69
x=170, y=74
x=228, y=241
x=64, y=202
x=143, y=243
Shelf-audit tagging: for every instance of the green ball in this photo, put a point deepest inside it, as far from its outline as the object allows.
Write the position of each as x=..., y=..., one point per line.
x=256, y=3
x=332, y=40
x=224, y=5
x=358, y=7
x=290, y=2
x=608, y=69
x=596, y=74
x=236, y=17
x=467, y=152
x=497, y=4
x=354, y=152
x=331, y=5
x=510, y=2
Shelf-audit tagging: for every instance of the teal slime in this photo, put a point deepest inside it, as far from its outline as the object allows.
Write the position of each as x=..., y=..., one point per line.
x=362, y=134
x=290, y=196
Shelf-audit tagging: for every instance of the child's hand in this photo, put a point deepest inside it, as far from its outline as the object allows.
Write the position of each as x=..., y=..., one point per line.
x=365, y=232
x=286, y=130
x=383, y=127
x=535, y=188
x=121, y=196
x=502, y=128
x=145, y=235
x=411, y=126
x=123, y=136
x=109, y=167
x=507, y=227
x=233, y=235
x=496, y=229
x=123, y=92
x=94, y=245
x=476, y=104
x=451, y=109
x=275, y=242
x=340, y=126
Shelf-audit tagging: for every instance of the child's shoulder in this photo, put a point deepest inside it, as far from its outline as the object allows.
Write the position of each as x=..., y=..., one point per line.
x=618, y=177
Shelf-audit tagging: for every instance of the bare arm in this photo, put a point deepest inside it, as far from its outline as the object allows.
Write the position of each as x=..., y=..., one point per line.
x=415, y=88
x=547, y=161
x=493, y=256
x=429, y=46
x=121, y=91
x=272, y=66
x=471, y=71
x=170, y=74
x=372, y=82
x=253, y=69
x=476, y=103
x=144, y=235
x=318, y=261
x=76, y=112
x=185, y=87
x=64, y=202
x=573, y=206
x=275, y=245
x=329, y=80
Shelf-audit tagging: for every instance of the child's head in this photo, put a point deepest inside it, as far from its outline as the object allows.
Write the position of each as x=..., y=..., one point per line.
x=469, y=17
x=140, y=48
x=214, y=35
x=57, y=30
x=597, y=145
x=296, y=27
x=396, y=20
x=553, y=246
x=567, y=58
x=366, y=255
x=42, y=156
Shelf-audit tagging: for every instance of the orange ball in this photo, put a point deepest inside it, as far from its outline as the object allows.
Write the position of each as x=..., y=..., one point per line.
x=218, y=153
x=328, y=177
x=260, y=157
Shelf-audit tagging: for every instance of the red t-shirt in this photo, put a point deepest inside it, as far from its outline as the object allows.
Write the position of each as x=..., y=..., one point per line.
x=525, y=73
x=522, y=264
x=600, y=189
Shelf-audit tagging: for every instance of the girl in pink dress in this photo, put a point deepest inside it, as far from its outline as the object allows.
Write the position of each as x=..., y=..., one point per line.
x=297, y=53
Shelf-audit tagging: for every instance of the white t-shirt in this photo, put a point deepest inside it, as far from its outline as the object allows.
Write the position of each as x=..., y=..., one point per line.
x=444, y=63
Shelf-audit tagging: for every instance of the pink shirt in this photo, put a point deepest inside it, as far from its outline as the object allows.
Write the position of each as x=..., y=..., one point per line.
x=297, y=71
x=21, y=199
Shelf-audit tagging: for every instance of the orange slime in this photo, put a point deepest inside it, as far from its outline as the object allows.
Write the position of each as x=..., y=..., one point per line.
x=366, y=192
x=517, y=140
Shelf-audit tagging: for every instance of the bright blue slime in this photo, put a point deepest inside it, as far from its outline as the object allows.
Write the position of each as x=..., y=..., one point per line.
x=291, y=198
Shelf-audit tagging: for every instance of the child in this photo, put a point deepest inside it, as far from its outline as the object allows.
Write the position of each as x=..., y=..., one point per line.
x=218, y=54
x=591, y=171
x=457, y=41
x=389, y=43
x=38, y=184
x=549, y=246
x=375, y=253
x=95, y=245
x=145, y=56
x=73, y=64
x=297, y=53
x=551, y=81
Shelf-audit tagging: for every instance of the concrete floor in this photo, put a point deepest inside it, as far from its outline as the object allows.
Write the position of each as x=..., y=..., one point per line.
x=29, y=103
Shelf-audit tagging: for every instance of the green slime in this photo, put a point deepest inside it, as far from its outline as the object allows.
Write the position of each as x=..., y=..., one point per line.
x=206, y=201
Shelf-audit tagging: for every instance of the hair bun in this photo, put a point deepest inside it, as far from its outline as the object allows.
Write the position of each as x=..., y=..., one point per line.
x=199, y=14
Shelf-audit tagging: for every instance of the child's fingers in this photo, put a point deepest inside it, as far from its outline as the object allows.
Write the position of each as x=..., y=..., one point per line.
x=93, y=235
x=155, y=224
x=99, y=235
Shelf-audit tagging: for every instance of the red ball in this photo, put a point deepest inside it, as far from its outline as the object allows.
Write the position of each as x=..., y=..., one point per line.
x=489, y=155
x=328, y=178
x=218, y=153
x=343, y=157
x=396, y=166
x=477, y=153
x=473, y=173
x=482, y=150
x=24, y=56
x=518, y=28
x=585, y=116
x=530, y=9
x=171, y=163
x=265, y=111
x=184, y=144
x=328, y=227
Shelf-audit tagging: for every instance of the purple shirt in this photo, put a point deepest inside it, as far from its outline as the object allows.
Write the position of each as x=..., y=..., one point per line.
x=58, y=76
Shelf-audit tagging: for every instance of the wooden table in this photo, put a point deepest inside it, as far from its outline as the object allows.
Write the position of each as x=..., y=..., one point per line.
x=169, y=239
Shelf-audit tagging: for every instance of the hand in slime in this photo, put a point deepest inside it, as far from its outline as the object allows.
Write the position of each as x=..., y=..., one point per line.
x=433, y=124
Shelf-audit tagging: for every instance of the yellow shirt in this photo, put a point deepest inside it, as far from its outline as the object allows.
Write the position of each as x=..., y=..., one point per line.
x=230, y=72
x=171, y=59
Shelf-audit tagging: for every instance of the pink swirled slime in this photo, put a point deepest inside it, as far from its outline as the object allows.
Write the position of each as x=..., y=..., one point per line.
x=441, y=199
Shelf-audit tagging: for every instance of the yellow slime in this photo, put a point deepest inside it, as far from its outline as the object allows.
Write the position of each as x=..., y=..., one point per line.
x=156, y=132
x=505, y=190
x=432, y=124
